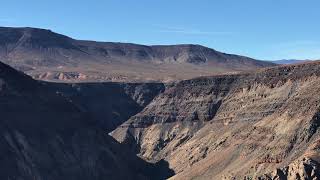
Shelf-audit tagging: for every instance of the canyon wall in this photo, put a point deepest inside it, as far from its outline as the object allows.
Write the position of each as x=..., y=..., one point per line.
x=256, y=125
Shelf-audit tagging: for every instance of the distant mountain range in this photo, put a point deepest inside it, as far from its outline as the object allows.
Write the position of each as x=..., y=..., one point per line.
x=290, y=61
x=46, y=55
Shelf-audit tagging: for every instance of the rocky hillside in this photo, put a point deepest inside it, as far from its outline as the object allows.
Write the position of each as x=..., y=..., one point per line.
x=261, y=125
x=50, y=56
x=44, y=135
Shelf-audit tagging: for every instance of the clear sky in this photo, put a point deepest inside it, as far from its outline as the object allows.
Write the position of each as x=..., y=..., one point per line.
x=263, y=29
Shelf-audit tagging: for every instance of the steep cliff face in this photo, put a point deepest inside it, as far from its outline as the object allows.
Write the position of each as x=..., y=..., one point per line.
x=257, y=125
x=44, y=135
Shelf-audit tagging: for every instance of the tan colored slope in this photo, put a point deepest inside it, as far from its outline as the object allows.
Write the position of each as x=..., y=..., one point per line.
x=256, y=147
x=265, y=125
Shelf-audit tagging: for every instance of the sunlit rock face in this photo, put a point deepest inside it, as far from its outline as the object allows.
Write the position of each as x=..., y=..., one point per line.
x=247, y=126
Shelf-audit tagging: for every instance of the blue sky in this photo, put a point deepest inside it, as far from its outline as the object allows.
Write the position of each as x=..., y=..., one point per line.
x=263, y=29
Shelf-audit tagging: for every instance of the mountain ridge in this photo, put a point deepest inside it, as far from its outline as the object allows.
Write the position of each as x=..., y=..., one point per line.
x=47, y=55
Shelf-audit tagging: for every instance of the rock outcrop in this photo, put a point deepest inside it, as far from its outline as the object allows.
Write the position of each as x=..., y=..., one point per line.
x=300, y=169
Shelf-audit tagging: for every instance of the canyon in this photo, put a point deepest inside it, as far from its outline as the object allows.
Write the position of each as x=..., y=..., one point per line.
x=45, y=135
x=73, y=109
